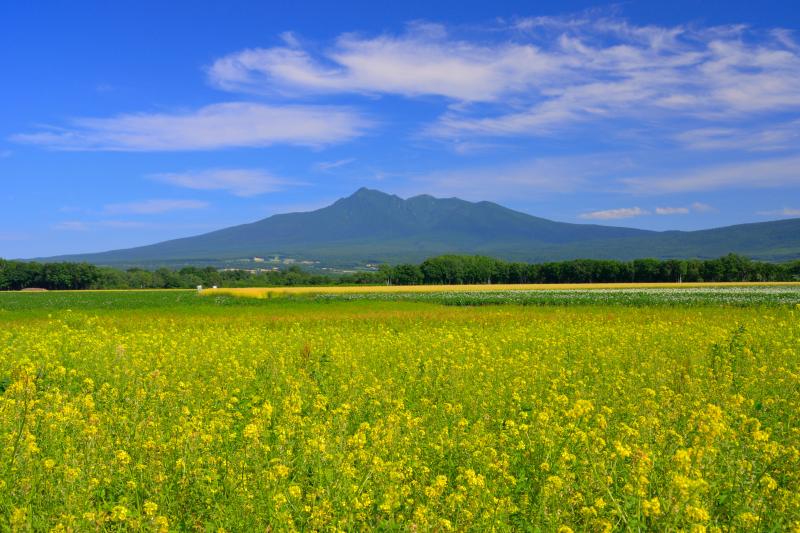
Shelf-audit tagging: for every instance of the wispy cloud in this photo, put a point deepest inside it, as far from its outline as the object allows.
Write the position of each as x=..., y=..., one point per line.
x=330, y=165
x=780, y=136
x=629, y=212
x=537, y=76
x=236, y=181
x=113, y=224
x=672, y=211
x=72, y=225
x=13, y=236
x=785, y=212
x=700, y=207
x=151, y=207
x=613, y=214
x=421, y=61
x=766, y=173
x=227, y=125
x=88, y=225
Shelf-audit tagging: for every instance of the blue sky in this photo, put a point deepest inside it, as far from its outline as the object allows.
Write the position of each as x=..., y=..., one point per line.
x=126, y=123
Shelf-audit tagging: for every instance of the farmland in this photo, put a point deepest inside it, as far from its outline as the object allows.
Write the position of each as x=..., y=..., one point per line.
x=554, y=409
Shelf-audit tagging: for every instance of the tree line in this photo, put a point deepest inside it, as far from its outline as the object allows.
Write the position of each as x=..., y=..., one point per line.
x=445, y=269
x=19, y=275
x=460, y=269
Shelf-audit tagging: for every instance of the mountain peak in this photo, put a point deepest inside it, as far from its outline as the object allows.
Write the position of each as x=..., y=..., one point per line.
x=369, y=197
x=364, y=192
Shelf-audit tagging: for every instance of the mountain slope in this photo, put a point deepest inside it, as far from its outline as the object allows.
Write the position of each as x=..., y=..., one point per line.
x=371, y=226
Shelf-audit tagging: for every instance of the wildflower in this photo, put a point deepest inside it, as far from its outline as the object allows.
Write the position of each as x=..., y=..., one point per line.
x=119, y=513
x=651, y=508
x=162, y=524
x=123, y=458
x=150, y=508
x=747, y=520
x=251, y=432
x=282, y=471
x=697, y=514
x=768, y=483
x=474, y=480
x=19, y=517
x=71, y=474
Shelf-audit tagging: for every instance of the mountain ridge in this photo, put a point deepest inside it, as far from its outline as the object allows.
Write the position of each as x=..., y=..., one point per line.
x=371, y=226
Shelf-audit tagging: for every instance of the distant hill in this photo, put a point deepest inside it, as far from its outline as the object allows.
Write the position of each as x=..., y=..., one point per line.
x=371, y=226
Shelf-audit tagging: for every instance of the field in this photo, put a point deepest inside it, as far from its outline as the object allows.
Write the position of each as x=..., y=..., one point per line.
x=536, y=410
x=505, y=288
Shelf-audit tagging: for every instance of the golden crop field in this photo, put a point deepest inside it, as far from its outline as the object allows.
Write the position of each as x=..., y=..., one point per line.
x=339, y=416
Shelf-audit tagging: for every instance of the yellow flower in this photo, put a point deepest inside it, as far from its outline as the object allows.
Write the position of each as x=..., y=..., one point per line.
x=123, y=458
x=251, y=431
x=19, y=517
x=282, y=471
x=768, y=483
x=697, y=514
x=119, y=513
x=747, y=520
x=162, y=524
x=651, y=508
x=150, y=508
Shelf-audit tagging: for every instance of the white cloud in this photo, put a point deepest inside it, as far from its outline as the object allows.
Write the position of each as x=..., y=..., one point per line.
x=421, y=61
x=72, y=225
x=785, y=212
x=13, y=236
x=541, y=75
x=156, y=206
x=700, y=207
x=774, y=137
x=696, y=207
x=227, y=125
x=87, y=225
x=95, y=225
x=240, y=182
x=765, y=173
x=672, y=210
x=330, y=165
x=613, y=214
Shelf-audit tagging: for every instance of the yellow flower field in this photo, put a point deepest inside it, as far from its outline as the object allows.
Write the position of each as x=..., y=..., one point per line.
x=264, y=292
x=405, y=416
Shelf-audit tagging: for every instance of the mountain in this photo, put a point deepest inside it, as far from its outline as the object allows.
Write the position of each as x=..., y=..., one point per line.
x=371, y=226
